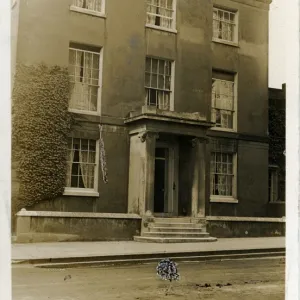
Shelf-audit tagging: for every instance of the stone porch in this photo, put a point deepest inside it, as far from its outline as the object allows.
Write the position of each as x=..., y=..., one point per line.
x=168, y=174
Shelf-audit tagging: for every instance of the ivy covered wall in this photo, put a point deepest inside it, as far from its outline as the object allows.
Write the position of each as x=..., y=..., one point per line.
x=277, y=132
x=41, y=124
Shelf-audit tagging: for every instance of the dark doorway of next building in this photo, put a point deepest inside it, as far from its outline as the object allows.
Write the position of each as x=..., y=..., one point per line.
x=160, y=179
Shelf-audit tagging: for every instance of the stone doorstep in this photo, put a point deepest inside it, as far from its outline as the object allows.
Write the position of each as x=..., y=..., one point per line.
x=182, y=220
x=181, y=234
x=158, y=239
x=175, y=229
x=177, y=225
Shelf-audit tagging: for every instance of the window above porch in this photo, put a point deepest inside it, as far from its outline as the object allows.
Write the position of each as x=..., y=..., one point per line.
x=159, y=83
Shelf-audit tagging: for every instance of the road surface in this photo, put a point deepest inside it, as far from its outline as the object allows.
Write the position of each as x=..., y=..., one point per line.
x=251, y=279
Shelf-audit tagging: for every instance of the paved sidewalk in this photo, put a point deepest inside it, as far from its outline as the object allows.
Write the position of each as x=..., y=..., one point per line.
x=118, y=249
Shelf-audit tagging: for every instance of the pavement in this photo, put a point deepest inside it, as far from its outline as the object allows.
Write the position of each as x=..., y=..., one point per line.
x=59, y=254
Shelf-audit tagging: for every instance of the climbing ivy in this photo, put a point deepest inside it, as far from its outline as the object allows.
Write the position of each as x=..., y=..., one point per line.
x=40, y=127
x=276, y=134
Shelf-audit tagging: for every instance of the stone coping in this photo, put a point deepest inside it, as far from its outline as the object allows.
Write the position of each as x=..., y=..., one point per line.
x=60, y=214
x=245, y=219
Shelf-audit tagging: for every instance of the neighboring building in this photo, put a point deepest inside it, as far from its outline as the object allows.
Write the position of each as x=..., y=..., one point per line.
x=277, y=108
x=181, y=89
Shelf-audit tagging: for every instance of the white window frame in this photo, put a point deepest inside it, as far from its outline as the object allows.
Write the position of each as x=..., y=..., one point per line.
x=172, y=28
x=72, y=191
x=79, y=9
x=171, y=91
x=234, y=42
x=235, y=100
x=232, y=198
x=99, y=92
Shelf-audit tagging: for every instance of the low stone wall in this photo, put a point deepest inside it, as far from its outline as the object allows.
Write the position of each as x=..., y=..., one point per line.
x=54, y=226
x=229, y=227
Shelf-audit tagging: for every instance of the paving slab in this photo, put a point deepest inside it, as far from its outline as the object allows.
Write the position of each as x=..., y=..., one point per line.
x=120, y=248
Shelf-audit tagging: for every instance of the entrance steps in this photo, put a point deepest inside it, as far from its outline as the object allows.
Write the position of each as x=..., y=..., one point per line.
x=175, y=230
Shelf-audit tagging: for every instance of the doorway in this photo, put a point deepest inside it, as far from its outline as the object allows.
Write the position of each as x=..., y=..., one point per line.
x=160, y=179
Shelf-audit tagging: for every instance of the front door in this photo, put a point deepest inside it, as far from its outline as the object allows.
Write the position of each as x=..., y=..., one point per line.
x=166, y=180
x=161, y=179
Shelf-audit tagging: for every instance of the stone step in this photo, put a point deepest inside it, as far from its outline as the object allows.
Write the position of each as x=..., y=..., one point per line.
x=175, y=229
x=174, y=239
x=175, y=234
x=182, y=225
x=176, y=220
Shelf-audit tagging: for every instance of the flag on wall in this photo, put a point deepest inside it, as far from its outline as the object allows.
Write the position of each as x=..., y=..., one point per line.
x=103, y=156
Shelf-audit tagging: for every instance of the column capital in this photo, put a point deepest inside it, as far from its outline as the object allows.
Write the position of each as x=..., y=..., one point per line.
x=148, y=135
x=197, y=140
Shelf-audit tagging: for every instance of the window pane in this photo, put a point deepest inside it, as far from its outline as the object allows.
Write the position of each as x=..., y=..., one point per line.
x=161, y=81
x=154, y=66
x=161, y=67
x=154, y=80
x=170, y=4
x=168, y=68
x=168, y=82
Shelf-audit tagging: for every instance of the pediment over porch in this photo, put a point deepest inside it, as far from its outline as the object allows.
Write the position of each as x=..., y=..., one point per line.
x=151, y=119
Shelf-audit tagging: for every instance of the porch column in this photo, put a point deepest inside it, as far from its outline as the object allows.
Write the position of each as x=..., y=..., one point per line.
x=199, y=178
x=149, y=138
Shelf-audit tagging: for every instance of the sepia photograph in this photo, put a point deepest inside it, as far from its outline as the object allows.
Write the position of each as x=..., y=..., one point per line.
x=149, y=150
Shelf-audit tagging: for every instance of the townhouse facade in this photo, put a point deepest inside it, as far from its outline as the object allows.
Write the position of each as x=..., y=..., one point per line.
x=178, y=90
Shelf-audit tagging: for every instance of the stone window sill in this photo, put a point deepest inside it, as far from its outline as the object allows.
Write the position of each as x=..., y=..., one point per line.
x=222, y=129
x=161, y=28
x=80, y=192
x=233, y=44
x=84, y=112
x=87, y=12
x=222, y=199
